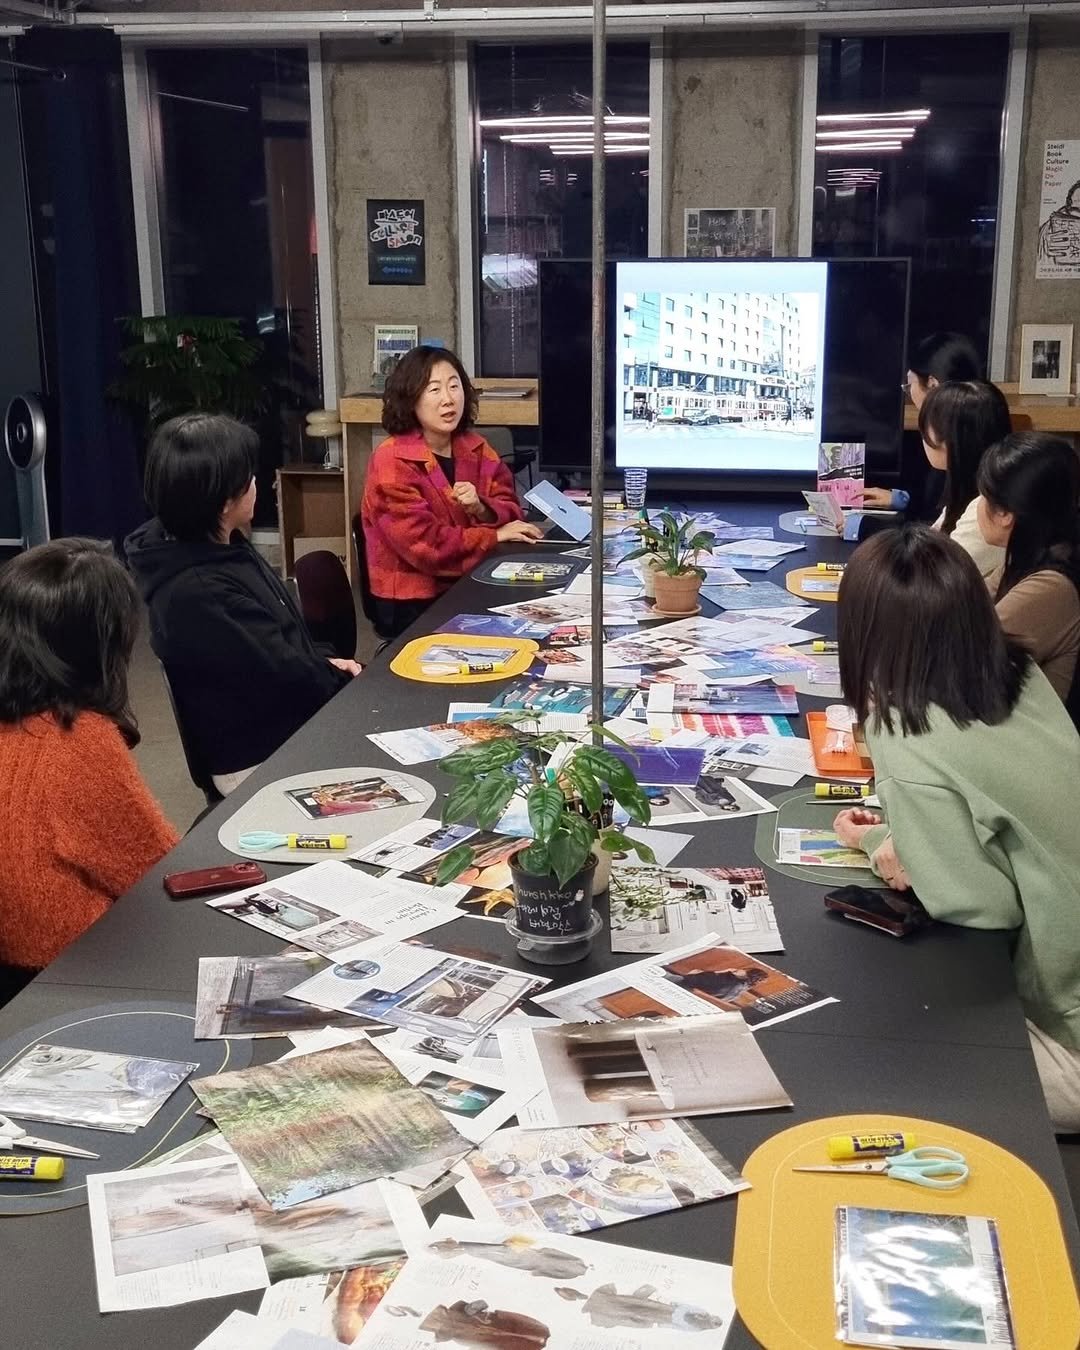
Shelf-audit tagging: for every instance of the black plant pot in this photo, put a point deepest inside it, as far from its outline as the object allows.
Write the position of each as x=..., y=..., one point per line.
x=554, y=924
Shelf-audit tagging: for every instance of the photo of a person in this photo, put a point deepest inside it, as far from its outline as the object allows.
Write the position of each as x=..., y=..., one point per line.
x=457, y=1095
x=606, y=1307
x=475, y=1324
x=725, y=986
x=516, y=1253
x=1045, y=359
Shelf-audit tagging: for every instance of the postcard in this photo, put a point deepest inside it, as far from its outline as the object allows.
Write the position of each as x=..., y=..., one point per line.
x=667, y=700
x=578, y=1180
x=89, y=1087
x=699, y=728
x=827, y=509
x=641, y=1069
x=841, y=472
x=172, y=1234
x=817, y=848
x=790, y=754
x=246, y=996
x=243, y=1331
x=525, y=720
x=315, y=1124
x=735, y=533
x=483, y=889
x=657, y=910
x=753, y=596
x=323, y=801
x=422, y=990
x=544, y=696
x=756, y=548
x=720, y=632
x=500, y=1286
x=771, y=660
x=726, y=575
x=307, y=906
x=336, y=1304
x=747, y=562
x=562, y=609
x=704, y=976
x=578, y=672
x=420, y=745
x=494, y=625
x=930, y=1280
x=820, y=585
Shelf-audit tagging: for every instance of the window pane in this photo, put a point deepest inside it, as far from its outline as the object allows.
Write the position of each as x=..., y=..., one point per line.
x=534, y=189
x=932, y=196
x=236, y=206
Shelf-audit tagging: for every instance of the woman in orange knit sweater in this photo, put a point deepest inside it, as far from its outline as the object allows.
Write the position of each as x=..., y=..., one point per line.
x=437, y=498
x=78, y=823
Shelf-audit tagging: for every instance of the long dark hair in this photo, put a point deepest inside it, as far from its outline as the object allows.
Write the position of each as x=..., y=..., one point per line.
x=408, y=381
x=1035, y=477
x=68, y=619
x=195, y=465
x=917, y=628
x=966, y=418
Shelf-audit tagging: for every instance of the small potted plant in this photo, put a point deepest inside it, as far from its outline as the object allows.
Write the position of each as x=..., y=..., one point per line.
x=673, y=548
x=553, y=876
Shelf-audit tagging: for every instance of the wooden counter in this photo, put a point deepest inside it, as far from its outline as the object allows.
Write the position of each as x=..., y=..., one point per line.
x=1047, y=413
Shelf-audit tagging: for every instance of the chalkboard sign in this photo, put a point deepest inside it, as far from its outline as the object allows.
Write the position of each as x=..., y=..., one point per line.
x=543, y=908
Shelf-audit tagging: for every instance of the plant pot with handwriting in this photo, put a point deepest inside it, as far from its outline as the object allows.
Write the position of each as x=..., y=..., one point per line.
x=553, y=919
x=670, y=549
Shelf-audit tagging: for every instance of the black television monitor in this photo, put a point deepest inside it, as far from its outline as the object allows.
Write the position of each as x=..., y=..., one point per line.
x=850, y=393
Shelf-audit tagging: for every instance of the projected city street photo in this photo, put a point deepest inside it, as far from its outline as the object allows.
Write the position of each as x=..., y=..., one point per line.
x=719, y=365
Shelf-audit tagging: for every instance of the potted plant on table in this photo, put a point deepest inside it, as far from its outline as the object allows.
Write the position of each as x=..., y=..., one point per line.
x=672, y=548
x=568, y=807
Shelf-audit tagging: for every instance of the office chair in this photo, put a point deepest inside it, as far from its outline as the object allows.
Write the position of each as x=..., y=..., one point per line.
x=501, y=440
x=326, y=601
x=367, y=598
x=197, y=771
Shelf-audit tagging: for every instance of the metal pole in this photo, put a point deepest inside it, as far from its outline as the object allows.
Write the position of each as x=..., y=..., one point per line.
x=599, y=65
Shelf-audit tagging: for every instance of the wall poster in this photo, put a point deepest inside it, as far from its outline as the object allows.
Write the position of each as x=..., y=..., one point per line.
x=396, y=251
x=1059, y=212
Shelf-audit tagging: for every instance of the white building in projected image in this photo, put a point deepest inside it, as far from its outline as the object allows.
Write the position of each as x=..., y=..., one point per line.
x=709, y=358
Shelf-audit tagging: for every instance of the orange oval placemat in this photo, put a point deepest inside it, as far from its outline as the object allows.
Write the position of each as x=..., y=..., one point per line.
x=783, y=1278
x=798, y=576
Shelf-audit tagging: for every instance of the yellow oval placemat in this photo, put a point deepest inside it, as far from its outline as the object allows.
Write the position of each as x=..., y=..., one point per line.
x=515, y=656
x=797, y=578
x=783, y=1278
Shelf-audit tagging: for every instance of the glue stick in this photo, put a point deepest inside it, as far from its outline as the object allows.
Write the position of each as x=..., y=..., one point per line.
x=830, y=567
x=24, y=1167
x=318, y=841
x=845, y=1147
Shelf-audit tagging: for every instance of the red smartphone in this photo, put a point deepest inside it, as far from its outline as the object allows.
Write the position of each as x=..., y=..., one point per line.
x=896, y=912
x=231, y=877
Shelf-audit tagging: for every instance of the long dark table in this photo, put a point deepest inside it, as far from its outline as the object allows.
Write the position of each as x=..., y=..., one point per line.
x=927, y=1027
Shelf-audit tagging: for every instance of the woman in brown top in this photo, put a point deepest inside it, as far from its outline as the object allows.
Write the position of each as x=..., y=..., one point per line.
x=1029, y=485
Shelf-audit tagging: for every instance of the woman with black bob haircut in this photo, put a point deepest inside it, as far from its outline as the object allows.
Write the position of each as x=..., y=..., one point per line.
x=1029, y=486
x=941, y=358
x=958, y=423
x=437, y=498
x=79, y=825
x=243, y=669
x=974, y=760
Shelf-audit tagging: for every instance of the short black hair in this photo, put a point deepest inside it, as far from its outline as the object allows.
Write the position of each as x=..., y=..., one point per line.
x=1035, y=477
x=195, y=465
x=967, y=418
x=945, y=356
x=916, y=628
x=68, y=619
x=407, y=382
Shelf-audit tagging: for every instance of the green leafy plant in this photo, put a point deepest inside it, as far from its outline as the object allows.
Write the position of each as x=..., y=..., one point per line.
x=177, y=363
x=672, y=545
x=563, y=805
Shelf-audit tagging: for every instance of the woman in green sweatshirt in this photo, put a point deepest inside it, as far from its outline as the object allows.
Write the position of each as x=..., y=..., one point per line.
x=978, y=768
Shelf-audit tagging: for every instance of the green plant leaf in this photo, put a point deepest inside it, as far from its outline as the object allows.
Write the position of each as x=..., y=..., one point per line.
x=637, y=553
x=606, y=766
x=702, y=543
x=460, y=803
x=568, y=855
x=484, y=758
x=535, y=860
x=590, y=791
x=614, y=841
x=492, y=798
x=452, y=864
x=634, y=801
x=546, y=805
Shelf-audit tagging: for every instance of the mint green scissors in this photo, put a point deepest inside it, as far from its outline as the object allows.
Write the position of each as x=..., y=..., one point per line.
x=941, y=1169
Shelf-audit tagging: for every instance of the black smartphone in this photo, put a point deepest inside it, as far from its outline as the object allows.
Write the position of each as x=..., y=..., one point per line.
x=896, y=912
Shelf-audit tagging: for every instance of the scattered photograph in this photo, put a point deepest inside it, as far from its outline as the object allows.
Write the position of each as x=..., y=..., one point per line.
x=337, y=1304
x=641, y=1068
x=350, y=1228
x=657, y=910
x=324, y=801
x=495, y=625
x=173, y=1234
x=756, y=595
x=421, y=745
x=538, y=573
x=320, y=1123
x=577, y=1180
x=842, y=471
x=247, y=995
x=817, y=848
x=89, y=1087
x=548, y=696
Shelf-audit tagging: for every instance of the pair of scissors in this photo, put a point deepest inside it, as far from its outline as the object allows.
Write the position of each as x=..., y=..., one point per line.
x=13, y=1136
x=941, y=1169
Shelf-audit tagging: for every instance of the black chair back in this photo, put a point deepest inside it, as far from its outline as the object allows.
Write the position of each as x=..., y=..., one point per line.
x=367, y=598
x=326, y=601
x=200, y=775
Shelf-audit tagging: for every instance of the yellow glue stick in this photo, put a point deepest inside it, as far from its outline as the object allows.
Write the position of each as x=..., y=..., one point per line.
x=822, y=645
x=845, y=1147
x=830, y=567
x=318, y=841
x=846, y=790
x=24, y=1167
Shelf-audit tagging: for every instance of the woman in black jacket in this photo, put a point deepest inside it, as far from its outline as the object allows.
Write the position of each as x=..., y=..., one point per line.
x=244, y=671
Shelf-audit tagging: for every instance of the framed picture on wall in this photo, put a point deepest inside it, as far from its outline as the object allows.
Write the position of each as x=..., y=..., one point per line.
x=1045, y=358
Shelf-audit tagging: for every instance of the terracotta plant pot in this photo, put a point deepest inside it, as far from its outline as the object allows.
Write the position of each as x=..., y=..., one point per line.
x=647, y=570
x=677, y=595
x=554, y=924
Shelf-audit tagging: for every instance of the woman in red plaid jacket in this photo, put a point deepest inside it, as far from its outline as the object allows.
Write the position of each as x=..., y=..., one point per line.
x=437, y=498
